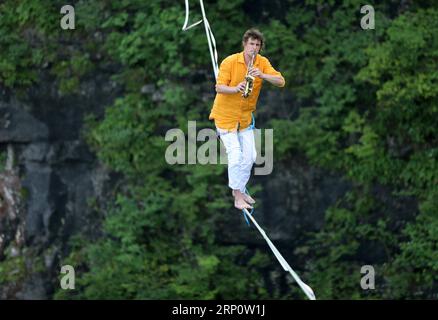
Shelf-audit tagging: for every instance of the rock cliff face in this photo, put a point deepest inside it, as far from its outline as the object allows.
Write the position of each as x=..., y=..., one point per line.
x=50, y=177
x=48, y=181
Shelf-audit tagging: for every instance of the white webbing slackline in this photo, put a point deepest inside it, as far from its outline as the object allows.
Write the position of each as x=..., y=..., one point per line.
x=307, y=290
x=208, y=32
x=213, y=53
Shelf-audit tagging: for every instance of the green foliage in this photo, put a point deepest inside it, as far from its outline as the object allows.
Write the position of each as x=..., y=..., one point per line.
x=12, y=269
x=26, y=46
x=3, y=157
x=414, y=271
x=367, y=110
x=340, y=248
x=17, y=265
x=148, y=255
x=373, y=118
x=159, y=236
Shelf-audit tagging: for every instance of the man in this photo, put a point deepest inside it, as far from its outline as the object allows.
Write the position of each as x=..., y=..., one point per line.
x=232, y=113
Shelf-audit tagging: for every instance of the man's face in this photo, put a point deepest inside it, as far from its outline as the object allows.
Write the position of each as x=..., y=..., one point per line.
x=251, y=45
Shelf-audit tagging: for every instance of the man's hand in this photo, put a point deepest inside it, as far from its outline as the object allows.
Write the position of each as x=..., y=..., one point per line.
x=240, y=87
x=255, y=72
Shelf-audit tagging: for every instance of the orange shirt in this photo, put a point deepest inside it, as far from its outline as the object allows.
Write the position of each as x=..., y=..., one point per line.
x=232, y=110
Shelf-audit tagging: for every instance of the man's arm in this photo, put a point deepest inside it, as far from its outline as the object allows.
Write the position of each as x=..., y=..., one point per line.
x=275, y=80
x=269, y=74
x=221, y=88
x=224, y=79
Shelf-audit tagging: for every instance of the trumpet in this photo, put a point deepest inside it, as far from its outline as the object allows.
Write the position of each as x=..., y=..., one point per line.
x=248, y=78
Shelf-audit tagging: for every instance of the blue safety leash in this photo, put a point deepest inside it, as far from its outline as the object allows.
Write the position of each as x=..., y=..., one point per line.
x=244, y=213
x=252, y=126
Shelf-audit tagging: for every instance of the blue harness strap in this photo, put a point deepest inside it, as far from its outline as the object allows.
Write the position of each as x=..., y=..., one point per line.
x=251, y=127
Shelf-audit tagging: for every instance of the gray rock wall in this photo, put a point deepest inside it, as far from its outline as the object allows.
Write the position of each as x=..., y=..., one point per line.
x=55, y=176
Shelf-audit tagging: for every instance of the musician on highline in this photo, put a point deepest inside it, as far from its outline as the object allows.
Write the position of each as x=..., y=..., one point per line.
x=237, y=89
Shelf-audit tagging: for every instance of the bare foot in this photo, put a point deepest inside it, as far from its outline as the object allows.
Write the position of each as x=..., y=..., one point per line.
x=246, y=197
x=239, y=200
x=240, y=204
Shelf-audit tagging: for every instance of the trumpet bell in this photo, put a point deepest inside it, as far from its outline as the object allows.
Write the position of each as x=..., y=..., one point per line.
x=248, y=78
x=248, y=86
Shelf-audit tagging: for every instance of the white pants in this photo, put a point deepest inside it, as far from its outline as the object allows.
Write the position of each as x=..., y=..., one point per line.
x=241, y=155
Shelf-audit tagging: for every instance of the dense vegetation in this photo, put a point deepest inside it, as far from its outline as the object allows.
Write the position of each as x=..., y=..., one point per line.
x=368, y=111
